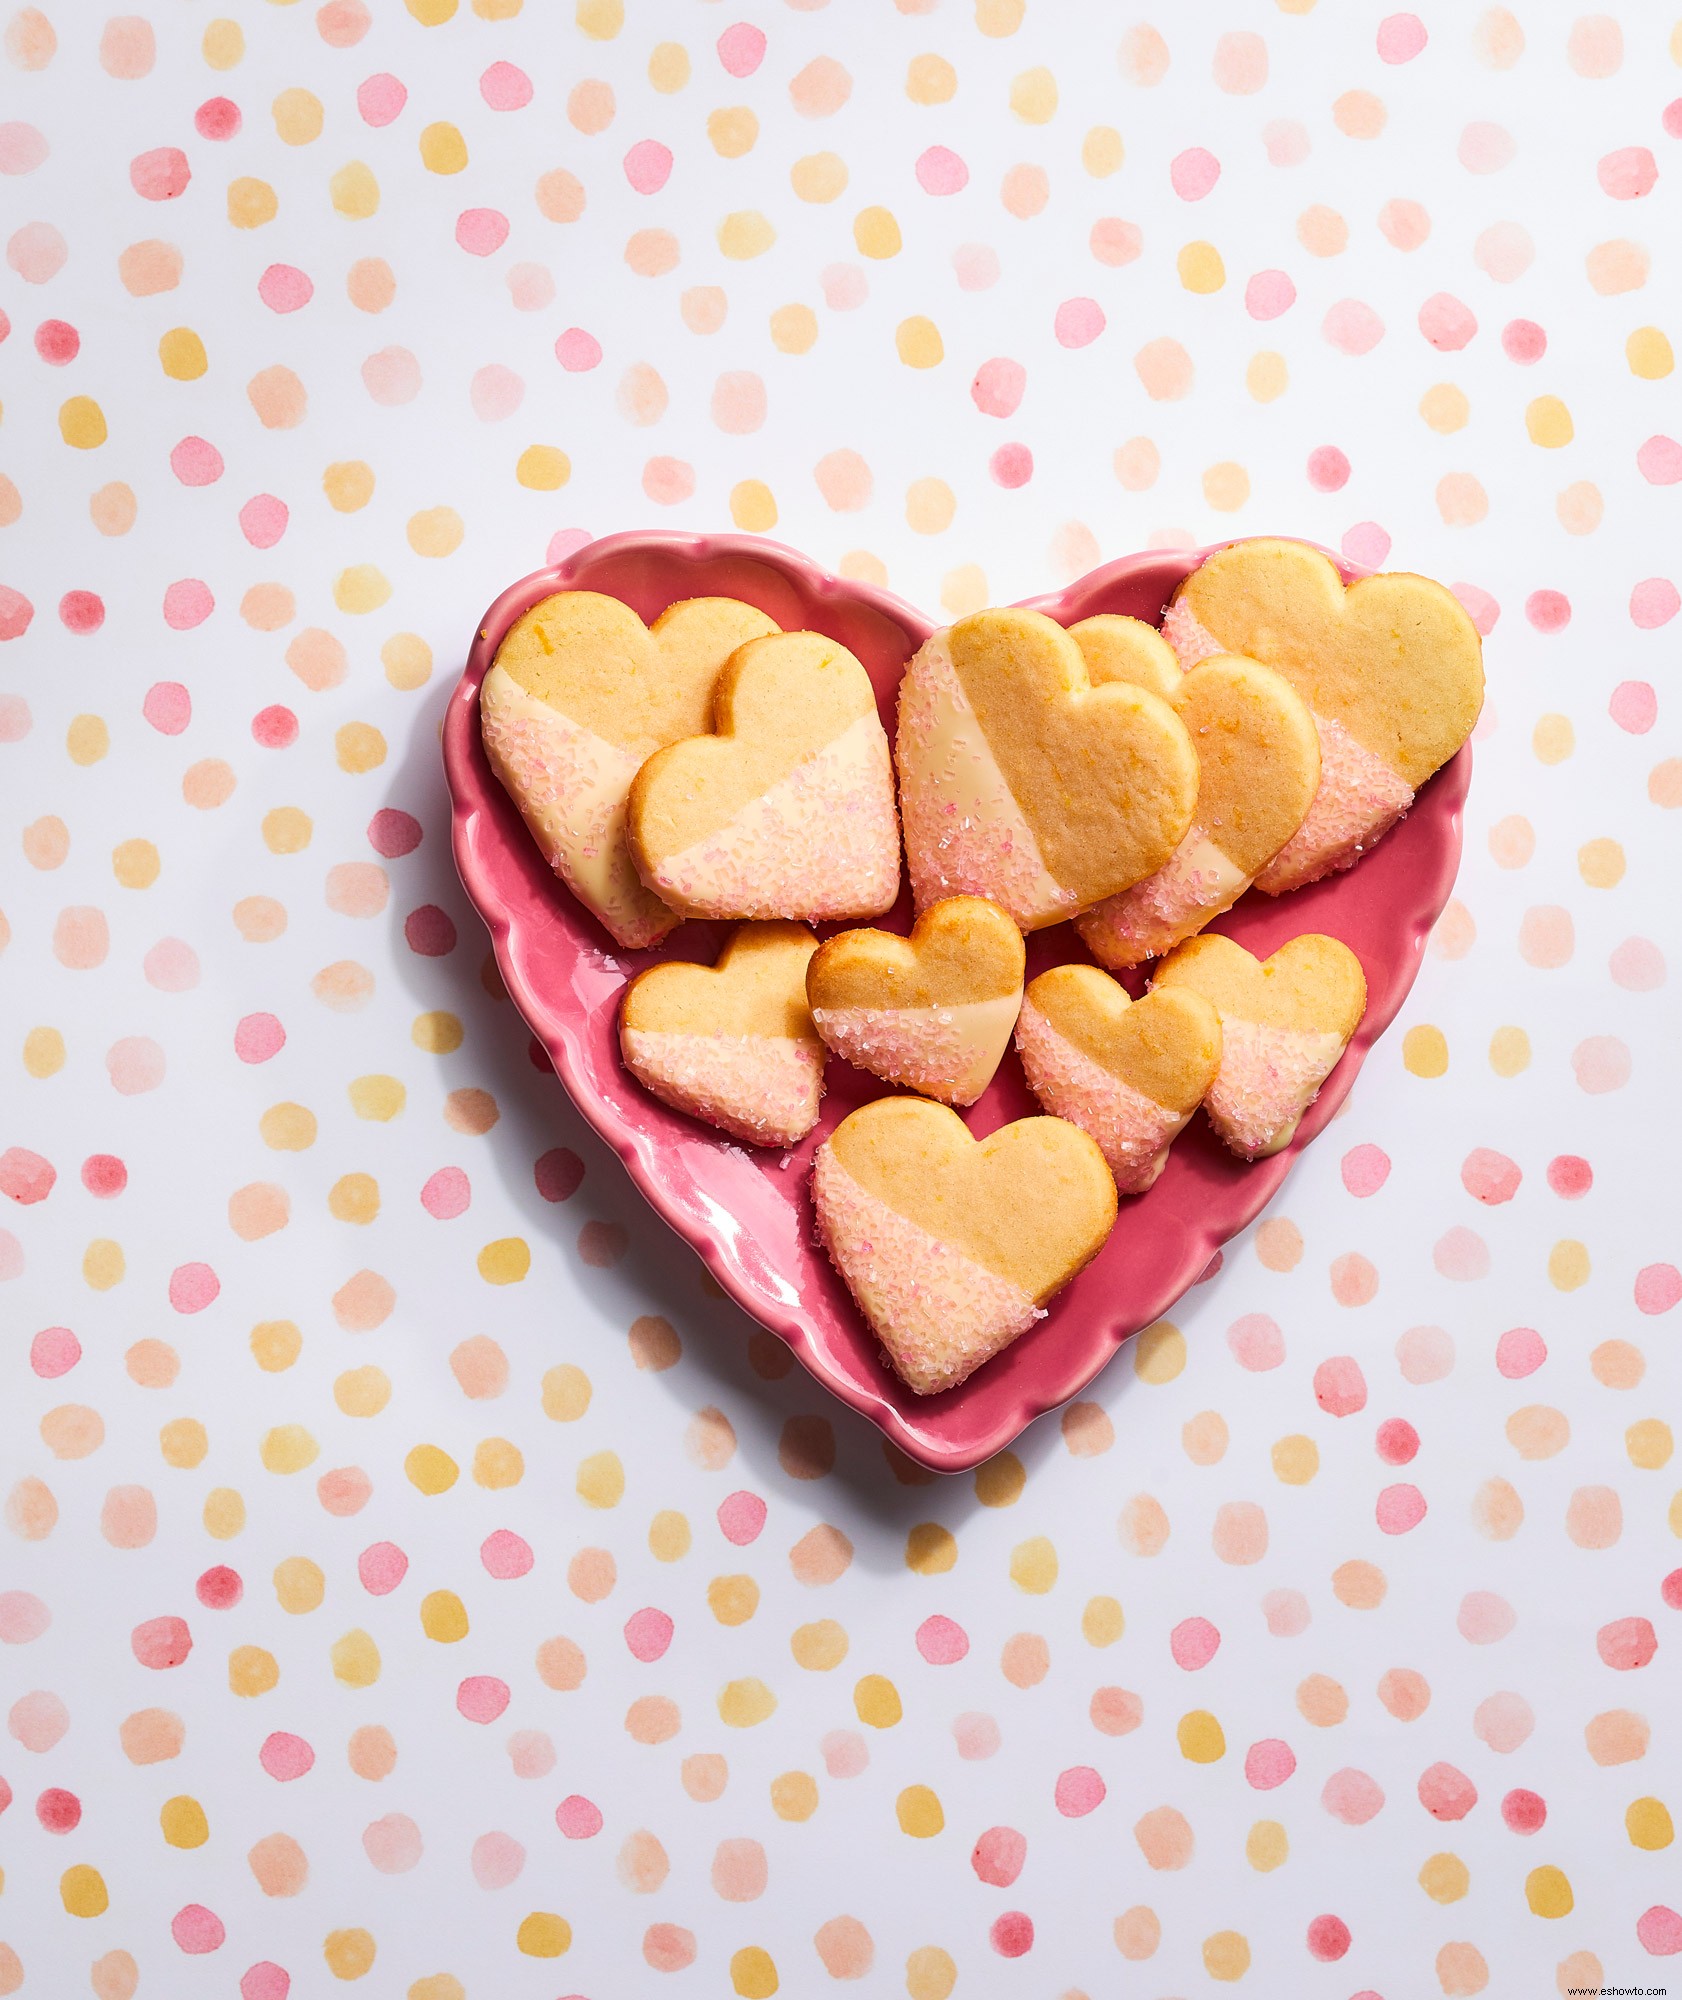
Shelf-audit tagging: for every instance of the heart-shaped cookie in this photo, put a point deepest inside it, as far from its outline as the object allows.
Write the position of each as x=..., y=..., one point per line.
x=582, y=692
x=951, y=1245
x=1392, y=669
x=1285, y=1021
x=787, y=808
x=1130, y=1072
x=1022, y=781
x=731, y=1043
x=1258, y=762
x=932, y=1011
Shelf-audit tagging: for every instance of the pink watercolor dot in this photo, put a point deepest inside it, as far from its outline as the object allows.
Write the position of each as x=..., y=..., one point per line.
x=392, y=377
x=285, y=1756
x=53, y=1352
x=1193, y=173
x=195, y=461
x=187, y=603
x=1634, y=707
x=1287, y=142
x=1659, y=1931
x=1328, y=1937
x=1352, y=1796
x=172, y=966
x=740, y=1515
x=1524, y=1812
x=1078, y=323
x=192, y=1287
x=1328, y=469
x=380, y=99
x=648, y=1633
x=1548, y=610
x=341, y=24
x=197, y=1930
x=940, y=171
x=283, y=288
x=741, y=48
x=1671, y=1590
x=505, y=88
x=1671, y=118
x=1461, y=1254
x=1011, y=466
x=38, y=1721
x=1570, y=1176
x=220, y=1588
x=558, y=1174
x=975, y=266
x=1366, y=545
x=258, y=1037
x=1397, y=1442
x=58, y=1811
x=1194, y=1642
x=275, y=727
x=496, y=392
x=1627, y=1644
x=531, y=1753
x=1504, y=1721
x=1446, y=1793
x=498, y=1859
x=1365, y=1170
x=1600, y=1064
x=104, y=1175
x=80, y=611
x=1523, y=341
x=160, y=1643
x=1628, y=174
x=481, y=232
x=941, y=1641
x=998, y=1856
x=37, y=252
x=1012, y=1935
x=1400, y=39
x=1657, y=1288
x=1484, y=1618
x=1654, y=602
x=429, y=931
x=1339, y=1386
x=578, y=1818
x=57, y=342
x=1446, y=323
x=22, y=148
x=23, y=1617
x=1256, y=1342
x=217, y=118
x=998, y=386
x=1485, y=148
x=446, y=1194
x=394, y=833
x=508, y=1556
x=1080, y=1790
x=1268, y=1764
x=168, y=707
x=161, y=174
x=26, y=1177
x=1352, y=327
x=1659, y=461
x=578, y=351
x=1490, y=1177
x=566, y=542
x=1479, y=606
x=381, y=1567
x=1399, y=1508
x=1637, y=965
x=1268, y=294
x=648, y=166
x=845, y=1753
x=482, y=1697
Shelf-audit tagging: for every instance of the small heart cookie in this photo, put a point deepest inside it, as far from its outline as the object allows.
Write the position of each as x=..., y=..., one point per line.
x=1130, y=1072
x=951, y=1245
x=581, y=692
x=1258, y=759
x=1392, y=669
x=932, y=1011
x=787, y=809
x=731, y=1043
x=1022, y=781
x=1285, y=1021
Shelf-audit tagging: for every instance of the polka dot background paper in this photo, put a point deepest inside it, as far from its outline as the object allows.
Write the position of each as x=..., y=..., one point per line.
x=412, y=1576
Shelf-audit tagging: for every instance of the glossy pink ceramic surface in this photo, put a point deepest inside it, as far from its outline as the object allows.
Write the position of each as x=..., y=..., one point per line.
x=750, y=1216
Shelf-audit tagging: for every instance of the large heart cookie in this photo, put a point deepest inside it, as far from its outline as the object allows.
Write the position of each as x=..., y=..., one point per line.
x=581, y=693
x=1258, y=762
x=932, y=1011
x=1022, y=781
x=952, y=1245
x=787, y=808
x=1130, y=1072
x=1285, y=1021
x=731, y=1043
x=1392, y=669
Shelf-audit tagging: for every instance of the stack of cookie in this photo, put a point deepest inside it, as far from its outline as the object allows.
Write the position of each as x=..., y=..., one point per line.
x=1128, y=782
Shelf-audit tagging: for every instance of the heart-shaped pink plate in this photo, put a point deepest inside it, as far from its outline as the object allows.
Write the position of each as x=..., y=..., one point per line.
x=750, y=1215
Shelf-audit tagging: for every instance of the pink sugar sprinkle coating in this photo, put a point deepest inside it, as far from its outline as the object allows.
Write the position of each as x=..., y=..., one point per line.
x=821, y=843
x=1359, y=800
x=761, y=1089
x=1157, y=913
x=931, y=1049
x=938, y=1313
x=1191, y=639
x=950, y=851
x=1268, y=1077
x=1133, y=1131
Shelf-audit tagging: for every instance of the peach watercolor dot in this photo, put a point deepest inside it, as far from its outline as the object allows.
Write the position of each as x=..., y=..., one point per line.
x=1405, y=1694
x=1352, y=1796
x=1286, y=1613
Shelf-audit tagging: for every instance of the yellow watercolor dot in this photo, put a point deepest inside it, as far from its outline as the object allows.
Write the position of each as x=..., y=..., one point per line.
x=1102, y=152
x=1267, y=1846
x=1548, y=1893
x=669, y=1536
x=929, y=506
x=443, y=1617
x=350, y=1954
x=732, y=130
x=1649, y=354
x=224, y=1514
x=1425, y=1051
x=103, y=1264
x=407, y=660
x=876, y=1702
x=182, y=354
x=252, y=1670
x=794, y=329
x=1601, y=863
x=745, y=234
x=1201, y=1739
x=999, y=18
x=1509, y=1051
x=999, y=1480
x=752, y=508
x=435, y=531
x=183, y=1822
x=1159, y=1353
x=733, y=1600
x=1549, y=423
x=876, y=233
x=1445, y=408
x=819, y=1647
x=543, y=468
x=275, y=1345
x=1226, y=487
x=288, y=1128
x=223, y=44
x=431, y=13
x=1568, y=1265
x=135, y=863
x=1033, y=1566
x=1649, y=1444
x=918, y=342
x=1553, y=739
x=930, y=1549
x=82, y=1892
x=377, y=1097
x=287, y=830
x=919, y=1813
x=1033, y=96
x=744, y=1703
x=1296, y=1459
x=87, y=739
x=184, y=1442
x=543, y=1935
x=1200, y=268
x=930, y=1973
x=566, y=1393
x=668, y=67
x=355, y=1659
x=498, y=1463
x=354, y=191
x=43, y=1052
x=1445, y=1878
x=298, y=116
x=442, y=148
x=1648, y=1824
x=348, y=484
x=1102, y=1622
x=299, y=1585
x=439, y=1034
x=931, y=80
x=601, y=20
x=601, y=1480
x=288, y=1448
x=753, y=1973
x=81, y=423
x=251, y=202
x=362, y=1392
x=354, y=1198
x=360, y=589
x=1267, y=377
x=794, y=1796
x=430, y=1469
x=818, y=177
x=1226, y=1955
x=506, y=1261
